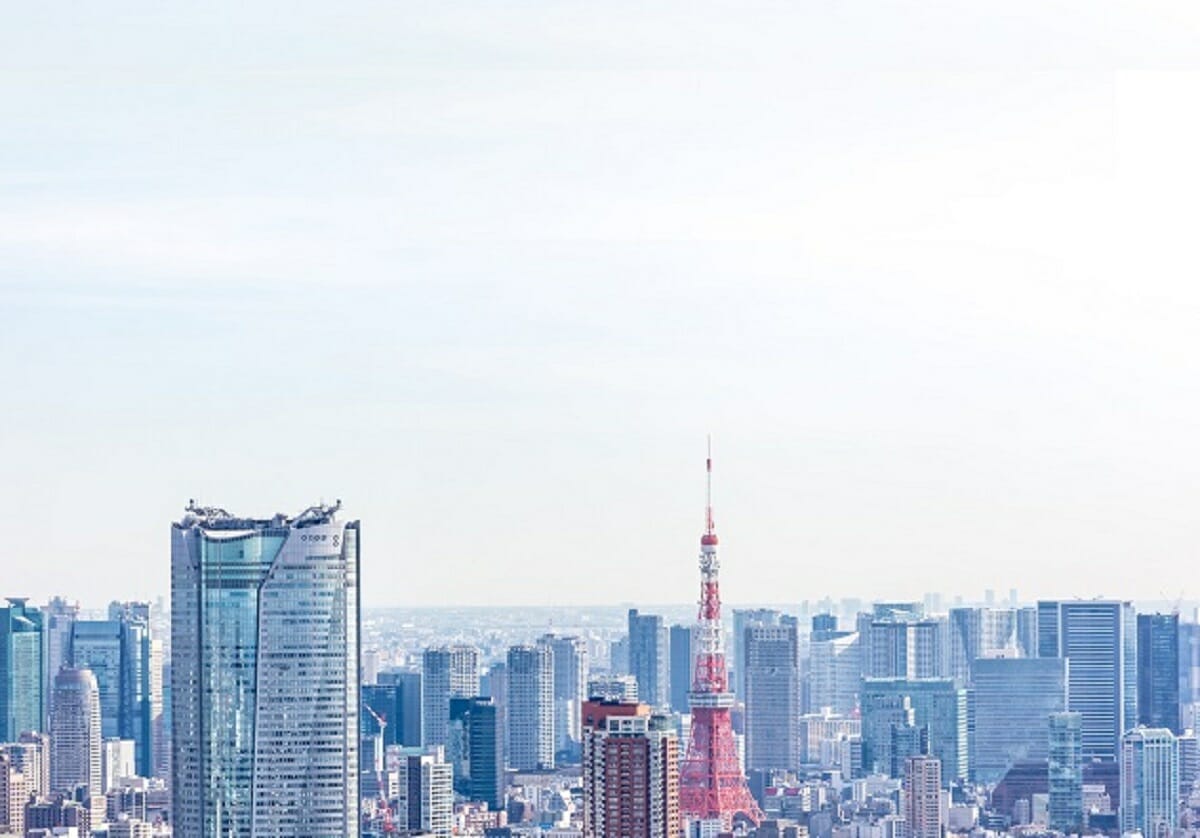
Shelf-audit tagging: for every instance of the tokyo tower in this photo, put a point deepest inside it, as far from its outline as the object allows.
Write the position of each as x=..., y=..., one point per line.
x=711, y=783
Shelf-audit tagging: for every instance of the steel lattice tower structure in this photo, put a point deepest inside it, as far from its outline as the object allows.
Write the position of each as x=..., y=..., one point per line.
x=711, y=782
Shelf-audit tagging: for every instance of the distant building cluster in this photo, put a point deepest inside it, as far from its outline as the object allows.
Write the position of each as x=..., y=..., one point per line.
x=262, y=701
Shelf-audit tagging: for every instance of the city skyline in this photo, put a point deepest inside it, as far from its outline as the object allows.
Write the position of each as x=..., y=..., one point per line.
x=491, y=274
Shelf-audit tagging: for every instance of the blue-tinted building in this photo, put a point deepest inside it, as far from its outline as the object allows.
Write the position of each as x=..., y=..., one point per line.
x=1149, y=782
x=399, y=693
x=1013, y=700
x=681, y=667
x=1065, y=771
x=938, y=704
x=265, y=675
x=1158, y=671
x=22, y=684
x=649, y=657
x=1099, y=637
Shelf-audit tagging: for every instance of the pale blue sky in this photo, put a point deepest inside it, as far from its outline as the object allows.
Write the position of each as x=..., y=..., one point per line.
x=490, y=272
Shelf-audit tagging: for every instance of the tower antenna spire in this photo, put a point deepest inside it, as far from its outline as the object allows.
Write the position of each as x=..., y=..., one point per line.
x=708, y=513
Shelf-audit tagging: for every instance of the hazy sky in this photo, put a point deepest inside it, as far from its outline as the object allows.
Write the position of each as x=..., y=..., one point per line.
x=489, y=272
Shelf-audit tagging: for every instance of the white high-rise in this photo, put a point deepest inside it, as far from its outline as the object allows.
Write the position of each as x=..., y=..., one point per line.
x=446, y=672
x=530, y=707
x=75, y=758
x=264, y=675
x=1149, y=782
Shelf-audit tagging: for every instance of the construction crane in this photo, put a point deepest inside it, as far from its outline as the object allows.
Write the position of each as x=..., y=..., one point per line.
x=389, y=827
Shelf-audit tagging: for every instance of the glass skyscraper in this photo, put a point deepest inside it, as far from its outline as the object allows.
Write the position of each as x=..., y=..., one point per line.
x=1014, y=698
x=264, y=677
x=1158, y=671
x=22, y=684
x=938, y=704
x=1065, y=772
x=650, y=657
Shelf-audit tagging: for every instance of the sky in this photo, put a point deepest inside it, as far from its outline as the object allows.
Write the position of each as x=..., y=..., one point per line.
x=490, y=273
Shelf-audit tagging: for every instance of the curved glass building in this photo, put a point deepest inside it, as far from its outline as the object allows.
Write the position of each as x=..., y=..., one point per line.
x=264, y=678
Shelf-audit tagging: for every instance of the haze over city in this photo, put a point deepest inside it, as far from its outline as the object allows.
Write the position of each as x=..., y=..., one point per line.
x=491, y=275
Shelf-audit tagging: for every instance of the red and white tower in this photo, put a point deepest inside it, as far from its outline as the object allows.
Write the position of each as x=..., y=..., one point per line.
x=711, y=782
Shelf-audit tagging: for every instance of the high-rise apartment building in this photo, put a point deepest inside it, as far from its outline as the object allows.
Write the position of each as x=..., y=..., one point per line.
x=1013, y=700
x=425, y=805
x=923, y=797
x=649, y=657
x=30, y=756
x=1099, y=637
x=15, y=789
x=75, y=741
x=570, y=685
x=446, y=672
x=681, y=667
x=1065, y=778
x=530, y=707
x=1158, y=671
x=771, y=662
x=22, y=696
x=630, y=773
x=264, y=675
x=612, y=688
x=1149, y=782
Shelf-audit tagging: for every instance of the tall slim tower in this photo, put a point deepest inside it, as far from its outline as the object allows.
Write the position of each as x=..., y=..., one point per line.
x=711, y=782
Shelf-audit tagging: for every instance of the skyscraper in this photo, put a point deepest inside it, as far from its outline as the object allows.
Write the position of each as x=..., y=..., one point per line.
x=22, y=700
x=446, y=672
x=649, y=657
x=923, y=797
x=406, y=717
x=712, y=785
x=1099, y=637
x=425, y=805
x=1158, y=671
x=901, y=645
x=630, y=772
x=530, y=707
x=1014, y=698
x=1149, y=782
x=1066, y=771
x=482, y=750
x=938, y=704
x=744, y=618
x=60, y=615
x=570, y=683
x=977, y=633
x=772, y=697
x=681, y=667
x=835, y=667
x=15, y=789
x=75, y=755
x=264, y=676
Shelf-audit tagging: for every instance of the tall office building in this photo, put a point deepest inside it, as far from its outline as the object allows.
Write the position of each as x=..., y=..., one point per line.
x=1189, y=663
x=1149, y=782
x=630, y=773
x=264, y=675
x=478, y=736
x=1014, y=698
x=835, y=672
x=923, y=797
x=1099, y=637
x=406, y=719
x=1158, y=671
x=22, y=696
x=75, y=741
x=902, y=647
x=938, y=704
x=570, y=683
x=59, y=616
x=446, y=672
x=530, y=707
x=1027, y=632
x=649, y=657
x=425, y=805
x=772, y=697
x=744, y=618
x=1065, y=778
x=681, y=667
x=978, y=633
